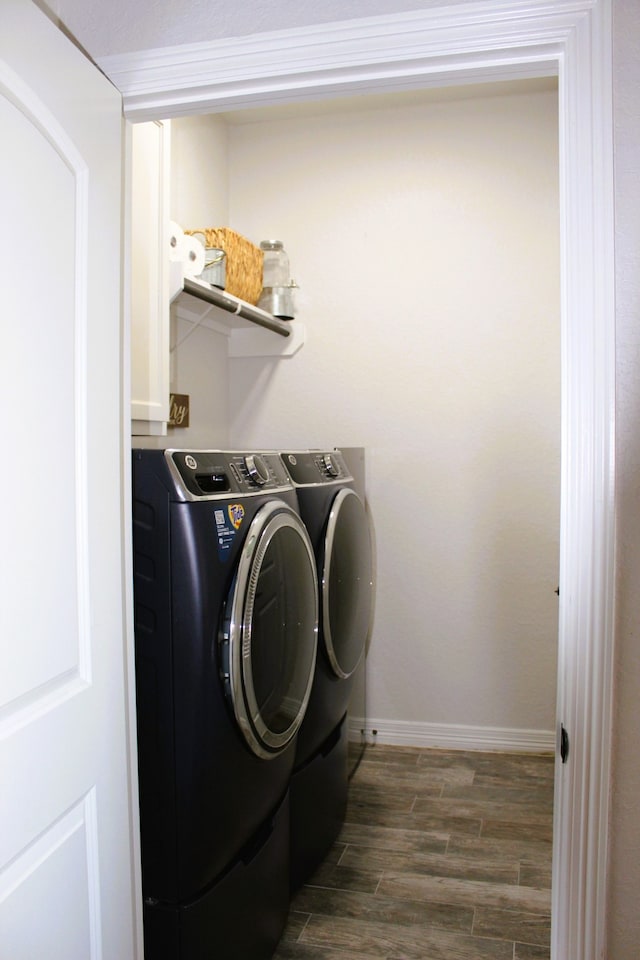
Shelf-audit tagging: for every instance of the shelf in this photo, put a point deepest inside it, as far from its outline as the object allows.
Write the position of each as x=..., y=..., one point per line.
x=226, y=301
x=251, y=332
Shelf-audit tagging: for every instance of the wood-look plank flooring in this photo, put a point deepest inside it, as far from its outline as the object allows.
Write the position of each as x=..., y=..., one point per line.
x=443, y=856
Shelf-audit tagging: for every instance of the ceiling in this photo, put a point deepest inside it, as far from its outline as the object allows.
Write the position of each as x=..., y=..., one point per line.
x=109, y=27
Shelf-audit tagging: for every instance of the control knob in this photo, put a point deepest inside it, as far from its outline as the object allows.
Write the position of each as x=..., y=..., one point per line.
x=257, y=469
x=329, y=465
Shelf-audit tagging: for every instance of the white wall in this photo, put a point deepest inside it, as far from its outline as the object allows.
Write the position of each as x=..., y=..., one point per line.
x=199, y=172
x=199, y=197
x=623, y=914
x=425, y=241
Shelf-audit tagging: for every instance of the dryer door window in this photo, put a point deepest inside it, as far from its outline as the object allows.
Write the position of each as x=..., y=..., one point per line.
x=347, y=583
x=271, y=628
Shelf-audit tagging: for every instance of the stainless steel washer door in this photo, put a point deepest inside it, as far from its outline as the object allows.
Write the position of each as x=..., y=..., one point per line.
x=270, y=632
x=347, y=583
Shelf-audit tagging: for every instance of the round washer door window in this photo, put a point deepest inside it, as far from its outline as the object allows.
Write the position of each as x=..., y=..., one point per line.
x=270, y=633
x=347, y=583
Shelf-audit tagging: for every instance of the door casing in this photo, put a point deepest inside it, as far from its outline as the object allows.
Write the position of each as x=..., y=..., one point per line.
x=490, y=40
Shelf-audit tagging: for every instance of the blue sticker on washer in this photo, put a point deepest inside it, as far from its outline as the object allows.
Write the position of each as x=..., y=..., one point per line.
x=227, y=525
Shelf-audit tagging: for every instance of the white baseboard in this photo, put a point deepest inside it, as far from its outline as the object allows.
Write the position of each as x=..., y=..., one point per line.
x=451, y=736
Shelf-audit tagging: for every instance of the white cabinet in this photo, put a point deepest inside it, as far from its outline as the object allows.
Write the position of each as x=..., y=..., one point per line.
x=150, y=278
x=160, y=292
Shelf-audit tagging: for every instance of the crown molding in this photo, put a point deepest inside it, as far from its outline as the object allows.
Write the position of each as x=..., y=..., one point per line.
x=401, y=51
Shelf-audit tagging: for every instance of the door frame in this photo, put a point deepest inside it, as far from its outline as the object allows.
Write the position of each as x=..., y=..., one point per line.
x=461, y=43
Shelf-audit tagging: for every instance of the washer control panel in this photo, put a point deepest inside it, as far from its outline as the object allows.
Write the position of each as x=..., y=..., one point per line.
x=315, y=466
x=207, y=473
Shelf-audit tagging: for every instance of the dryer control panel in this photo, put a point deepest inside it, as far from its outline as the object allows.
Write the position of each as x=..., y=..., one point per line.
x=316, y=466
x=210, y=473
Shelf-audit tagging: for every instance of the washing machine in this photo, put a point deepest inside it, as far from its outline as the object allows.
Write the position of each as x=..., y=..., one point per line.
x=340, y=530
x=226, y=627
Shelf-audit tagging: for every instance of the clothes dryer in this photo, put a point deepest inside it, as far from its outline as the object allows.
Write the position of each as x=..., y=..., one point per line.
x=340, y=531
x=226, y=621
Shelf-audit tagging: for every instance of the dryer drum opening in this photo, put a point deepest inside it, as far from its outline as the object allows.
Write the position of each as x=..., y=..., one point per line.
x=271, y=629
x=347, y=583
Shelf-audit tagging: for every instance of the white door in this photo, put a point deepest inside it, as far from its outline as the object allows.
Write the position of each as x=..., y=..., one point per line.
x=66, y=836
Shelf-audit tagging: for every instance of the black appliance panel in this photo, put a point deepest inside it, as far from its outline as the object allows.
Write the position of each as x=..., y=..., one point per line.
x=203, y=790
x=340, y=530
x=200, y=474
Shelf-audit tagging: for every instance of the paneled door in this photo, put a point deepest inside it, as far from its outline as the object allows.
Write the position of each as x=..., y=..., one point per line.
x=66, y=796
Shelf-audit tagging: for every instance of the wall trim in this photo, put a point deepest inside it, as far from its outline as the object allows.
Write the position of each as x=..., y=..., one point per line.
x=472, y=42
x=401, y=51
x=450, y=736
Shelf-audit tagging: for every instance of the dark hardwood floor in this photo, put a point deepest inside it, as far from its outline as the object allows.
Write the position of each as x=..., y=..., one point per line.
x=443, y=856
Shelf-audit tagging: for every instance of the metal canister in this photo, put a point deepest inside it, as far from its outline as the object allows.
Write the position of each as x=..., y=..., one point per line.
x=215, y=267
x=215, y=262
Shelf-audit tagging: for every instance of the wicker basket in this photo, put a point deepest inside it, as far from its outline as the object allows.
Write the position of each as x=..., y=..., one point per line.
x=244, y=262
